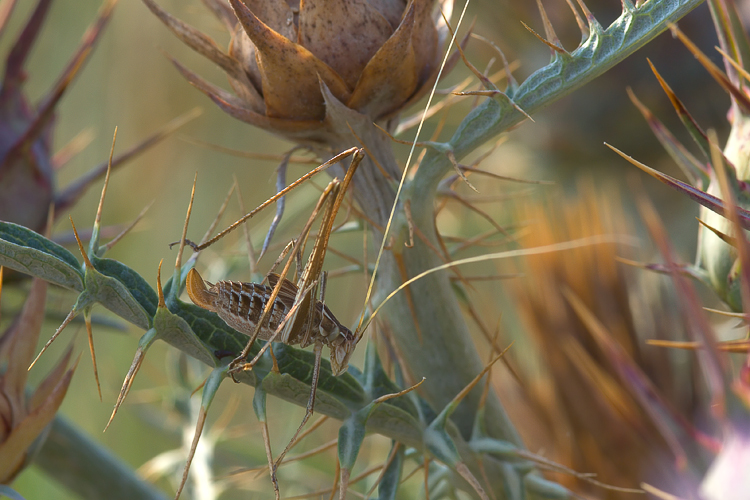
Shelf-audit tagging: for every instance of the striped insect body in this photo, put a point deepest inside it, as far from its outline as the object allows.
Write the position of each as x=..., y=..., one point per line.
x=241, y=305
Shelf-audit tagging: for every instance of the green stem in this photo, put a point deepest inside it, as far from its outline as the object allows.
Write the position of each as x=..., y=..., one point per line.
x=86, y=468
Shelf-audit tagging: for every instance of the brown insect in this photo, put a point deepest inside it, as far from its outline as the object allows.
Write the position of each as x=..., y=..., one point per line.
x=284, y=312
x=241, y=305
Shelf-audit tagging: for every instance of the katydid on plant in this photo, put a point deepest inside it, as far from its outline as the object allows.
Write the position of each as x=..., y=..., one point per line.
x=283, y=311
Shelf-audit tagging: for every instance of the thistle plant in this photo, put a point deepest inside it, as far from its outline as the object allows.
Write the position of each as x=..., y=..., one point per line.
x=290, y=79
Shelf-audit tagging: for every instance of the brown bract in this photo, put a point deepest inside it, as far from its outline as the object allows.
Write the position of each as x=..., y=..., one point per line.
x=374, y=56
x=24, y=417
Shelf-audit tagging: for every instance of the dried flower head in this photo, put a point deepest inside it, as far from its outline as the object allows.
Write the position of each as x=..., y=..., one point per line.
x=374, y=57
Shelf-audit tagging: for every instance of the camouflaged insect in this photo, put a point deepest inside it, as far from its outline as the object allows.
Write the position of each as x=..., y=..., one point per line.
x=240, y=305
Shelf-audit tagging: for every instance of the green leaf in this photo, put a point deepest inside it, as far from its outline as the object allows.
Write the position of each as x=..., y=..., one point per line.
x=289, y=388
x=506, y=451
x=299, y=364
x=440, y=445
x=351, y=434
x=211, y=386
x=135, y=284
x=390, y=420
x=175, y=331
x=115, y=296
x=337, y=396
x=377, y=383
x=24, y=250
x=259, y=403
x=602, y=50
x=388, y=486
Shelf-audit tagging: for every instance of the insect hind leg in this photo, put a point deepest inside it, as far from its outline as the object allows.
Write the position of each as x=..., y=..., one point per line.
x=308, y=412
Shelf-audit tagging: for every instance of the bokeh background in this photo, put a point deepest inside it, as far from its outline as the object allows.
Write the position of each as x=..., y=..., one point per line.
x=129, y=83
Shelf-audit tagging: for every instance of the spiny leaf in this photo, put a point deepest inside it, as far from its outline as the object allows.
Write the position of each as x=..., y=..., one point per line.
x=145, y=342
x=90, y=335
x=535, y=485
x=602, y=50
x=441, y=445
x=299, y=364
x=289, y=388
x=259, y=403
x=551, y=37
x=24, y=250
x=175, y=330
x=538, y=487
x=138, y=287
x=352, y=434
x=115, y=295
x=376, y=382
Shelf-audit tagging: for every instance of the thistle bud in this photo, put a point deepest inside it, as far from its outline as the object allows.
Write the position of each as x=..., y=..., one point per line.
x=374, y=57
x=718, y=256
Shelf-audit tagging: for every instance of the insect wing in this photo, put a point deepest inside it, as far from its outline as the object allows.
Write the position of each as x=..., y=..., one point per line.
x=287, y=292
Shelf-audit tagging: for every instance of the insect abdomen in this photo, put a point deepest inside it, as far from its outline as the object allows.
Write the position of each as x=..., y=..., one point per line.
x=240, y=305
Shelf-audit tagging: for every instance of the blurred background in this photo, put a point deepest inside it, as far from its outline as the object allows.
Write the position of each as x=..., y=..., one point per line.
x=129, y=83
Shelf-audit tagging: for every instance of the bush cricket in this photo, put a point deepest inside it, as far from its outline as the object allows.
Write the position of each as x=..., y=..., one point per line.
x=284, y=311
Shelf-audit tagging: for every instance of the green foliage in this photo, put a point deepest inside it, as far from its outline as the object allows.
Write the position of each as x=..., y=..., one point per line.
x=28, y=252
